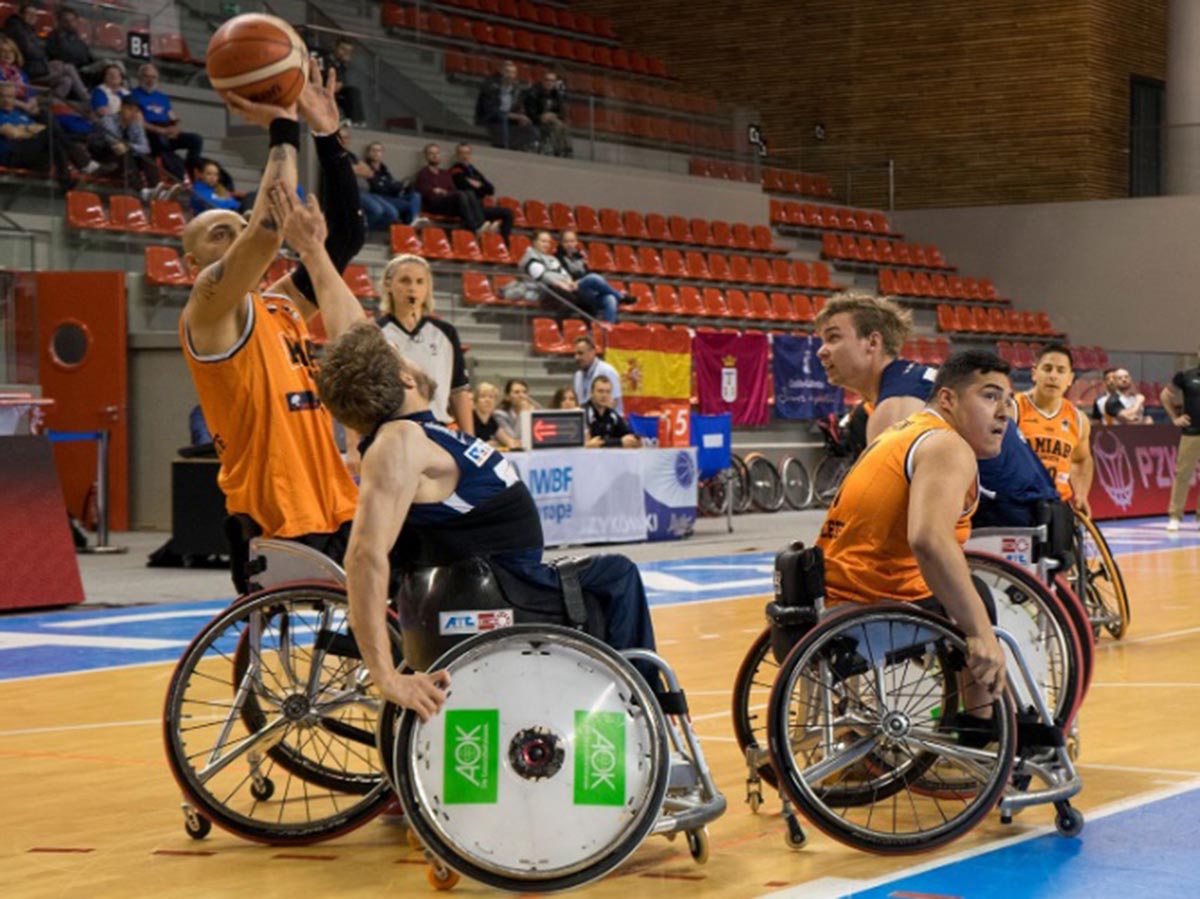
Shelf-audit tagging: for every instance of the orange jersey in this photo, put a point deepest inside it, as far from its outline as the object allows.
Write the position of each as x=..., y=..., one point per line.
x=1052, y=438
x=279, y=462
x=865, y=535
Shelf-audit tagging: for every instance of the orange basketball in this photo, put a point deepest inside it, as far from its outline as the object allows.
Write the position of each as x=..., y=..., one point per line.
x=258, y=57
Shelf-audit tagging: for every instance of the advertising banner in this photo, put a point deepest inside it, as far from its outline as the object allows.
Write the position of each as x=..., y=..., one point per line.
x=586, y=495
x=802, y=391
x=670, y=478
x=1135, y=468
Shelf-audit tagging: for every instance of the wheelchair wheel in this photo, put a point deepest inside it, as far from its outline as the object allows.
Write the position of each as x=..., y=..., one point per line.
x=740, y=485
x=797, y=485
x=828, y=478
x=1099, y=582
x=547, y=766
x=751, y=693
x=270, y=719
x=711, y=499
x=766, y=486
x=875, y=687
x=1044, y=629
x=1073, y=605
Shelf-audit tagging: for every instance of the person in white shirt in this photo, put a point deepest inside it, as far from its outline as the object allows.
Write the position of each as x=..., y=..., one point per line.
x=590, y=366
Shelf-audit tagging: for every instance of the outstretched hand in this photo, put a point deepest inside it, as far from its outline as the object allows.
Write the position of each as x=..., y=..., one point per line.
x=318, y=102
x=261, y=114
x=302, y=225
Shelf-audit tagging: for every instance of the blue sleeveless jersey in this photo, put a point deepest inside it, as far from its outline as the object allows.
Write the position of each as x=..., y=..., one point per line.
x=1017, y=475
x=903, y=377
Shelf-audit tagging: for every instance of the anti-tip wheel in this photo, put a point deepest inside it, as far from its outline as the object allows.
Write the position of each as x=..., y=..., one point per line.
x=794, y=836
x=1068, y=821
x=697, y=841
x=441, y=878
x=263, y=789
x=196, y=825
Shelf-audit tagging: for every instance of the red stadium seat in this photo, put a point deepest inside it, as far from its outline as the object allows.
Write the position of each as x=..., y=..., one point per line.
x=464, y=247
x=635, y=225
x=546, y=338
x=626, y=259
x=979, y=319
x=434, y=244
x=781, y=273
x=656, y=227
x=945, y=317
x=586, y=220
x=644, y=295
x=721, y=234
x=84, y=210
x=405, y=240
x=958, y=290
x=801, y=275
x=701, y=233
x=650, y=263
x=922, y=285
x=782, y=308
x=714, y=303
x=963, y=320
x=697, y=265
x=760, y=271
x=610, y=223
x=681, y=230
x=831, y=247
x=760, y=306
x=904, y=284
x=821, y=278
x=667, y=300
x=940, y=287
x=165, y=269
x=562, y=216
x=166, y=217
x=805, y=311
x=494, y=250
x=737, y=304
x=997, y=323
x=514, y=206
x=537, y=216
x=689, y=300
x=887, y=282
x=987, y=290
x=762, y=240
x=127, y=213
x=673, y=264
x=358, y=279
x=884, y=251
x=718, y=267
x=600, y=257
x=476, y=290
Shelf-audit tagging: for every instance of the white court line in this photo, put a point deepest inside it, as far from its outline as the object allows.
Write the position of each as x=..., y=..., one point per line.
x=1150, y=684
x=70, y=727
x=724, y=714
x=133, y=619
x=835, y=888
x=1135, y=770
x=1150, y=639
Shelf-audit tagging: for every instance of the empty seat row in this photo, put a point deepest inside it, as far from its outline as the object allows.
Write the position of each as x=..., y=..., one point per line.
x=633, y=225
x=657, y=128
x=927, y=350
x=124, y=213
x=402, y=17
x=789, y=182
x=993, y=320
x=880, y=250
x=828, y=218
x=165, y=268
x=951, y=287
x=542, y=14
x=720, y=168
x=110, y=36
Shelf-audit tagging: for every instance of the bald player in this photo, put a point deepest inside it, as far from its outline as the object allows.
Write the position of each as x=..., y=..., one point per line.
x=250, y=353
x=1055, y=429
x=897, y=526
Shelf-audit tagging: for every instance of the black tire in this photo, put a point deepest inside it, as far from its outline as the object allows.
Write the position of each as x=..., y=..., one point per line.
x=751, y=693
x=1099, y=582
x=740, y=485
x=303, y=708
x=766, y=486
x=828, y=478
x=895, y=646
x=797, y=485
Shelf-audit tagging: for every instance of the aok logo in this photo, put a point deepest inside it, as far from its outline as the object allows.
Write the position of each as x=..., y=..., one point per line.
x=471, y=760
x=599, y=758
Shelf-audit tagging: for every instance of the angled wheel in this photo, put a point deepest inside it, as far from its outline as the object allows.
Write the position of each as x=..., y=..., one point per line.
x=797, y=485
x=741, y=485
x=828, y=478
x=1099, y=582
x=751, y=693
x=865, y=711
x=766, y=486
x=270, y=719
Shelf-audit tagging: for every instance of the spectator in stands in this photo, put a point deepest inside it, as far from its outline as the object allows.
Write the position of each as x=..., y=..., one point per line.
x=467, y=177
x=122, y=139
x=164, y=129
x=565, y=398
x=349, y=98
x=209, y=193
x=12, y=73
x=107, y=95
x=487, y=425
x=60, y=77
x=26, y=144
x=516, y=401
x=606, y=426
x=589, y=366
x=65, y=45
x=1101, y=402
x=391, y=200
x=591, y=293
x=546, y=107
x=500, y=108
x=594, y=287
x=441, y=197
x=1126, y=406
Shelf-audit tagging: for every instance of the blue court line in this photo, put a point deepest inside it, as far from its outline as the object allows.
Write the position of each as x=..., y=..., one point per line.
x=1149, y=850
x=85, y=639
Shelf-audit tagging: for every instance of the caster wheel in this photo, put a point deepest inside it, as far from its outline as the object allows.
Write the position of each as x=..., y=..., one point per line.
x=697, y=841
x=754, y=800
x=196, y=825
x=794, y=836
x=1069, y=821
x=262, y=790
x=441, y=878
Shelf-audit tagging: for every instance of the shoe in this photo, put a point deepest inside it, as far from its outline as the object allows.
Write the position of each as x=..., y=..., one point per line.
x=624, y=299
x=91, y=168
x=421, y=222
x=1172, y=524
x=148, y=194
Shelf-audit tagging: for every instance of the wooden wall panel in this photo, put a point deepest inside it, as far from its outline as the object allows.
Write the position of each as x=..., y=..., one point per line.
x=989, y=101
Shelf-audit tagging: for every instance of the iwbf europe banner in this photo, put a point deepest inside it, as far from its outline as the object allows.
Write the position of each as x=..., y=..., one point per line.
x=801, y=389
x=731, y=376
x=655, y=367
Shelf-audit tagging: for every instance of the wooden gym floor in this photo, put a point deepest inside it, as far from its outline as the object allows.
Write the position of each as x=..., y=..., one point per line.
x=91, y=809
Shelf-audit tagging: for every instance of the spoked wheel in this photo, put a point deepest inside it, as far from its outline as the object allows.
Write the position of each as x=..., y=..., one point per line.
x=866, y=711
x=797, y=485
x=740, y=485
x=1100, y=586
x=828, y=478
x=543, y=725
x=766, y=486
x=751, y=693
x=713, y=493
x=270, y=719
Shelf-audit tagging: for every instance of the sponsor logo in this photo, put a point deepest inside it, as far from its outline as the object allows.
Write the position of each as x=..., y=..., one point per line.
x=302, y=401
x=1014, y=545
x=478, y=452
x=1113, y=469
x=454, y=624
x=685, y=469
x=599, y=758
x=552, y=481
x=471, y=758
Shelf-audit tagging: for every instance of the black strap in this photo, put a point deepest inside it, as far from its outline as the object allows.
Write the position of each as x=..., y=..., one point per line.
x=672, y=703
x=572, y=593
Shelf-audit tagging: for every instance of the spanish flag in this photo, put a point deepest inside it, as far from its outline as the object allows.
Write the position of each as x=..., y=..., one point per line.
x=655, y=367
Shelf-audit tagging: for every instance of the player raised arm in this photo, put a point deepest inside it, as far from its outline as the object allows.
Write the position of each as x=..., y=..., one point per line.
x=389, y=479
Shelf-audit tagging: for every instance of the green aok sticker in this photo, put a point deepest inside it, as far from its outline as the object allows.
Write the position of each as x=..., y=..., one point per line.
x=472, y=757
x=599, y=758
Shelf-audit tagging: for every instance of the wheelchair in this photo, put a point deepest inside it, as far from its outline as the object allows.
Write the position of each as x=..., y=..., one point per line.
x=275, y=732
x=863, y=732
x=1098, y=580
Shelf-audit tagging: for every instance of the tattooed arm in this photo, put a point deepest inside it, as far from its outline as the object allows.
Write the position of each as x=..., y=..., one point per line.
x=215, y=311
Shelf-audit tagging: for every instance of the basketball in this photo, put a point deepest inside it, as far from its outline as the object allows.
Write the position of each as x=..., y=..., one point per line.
x=258, y=57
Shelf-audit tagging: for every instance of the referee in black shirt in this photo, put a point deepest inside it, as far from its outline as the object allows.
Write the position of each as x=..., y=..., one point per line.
x=606, y=427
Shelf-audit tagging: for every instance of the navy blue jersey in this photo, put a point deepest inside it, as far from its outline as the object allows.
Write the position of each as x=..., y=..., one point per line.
x=1012, y=484
x=903, y=377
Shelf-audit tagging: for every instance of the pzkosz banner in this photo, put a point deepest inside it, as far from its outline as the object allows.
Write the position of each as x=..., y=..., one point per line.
x=1135, y=468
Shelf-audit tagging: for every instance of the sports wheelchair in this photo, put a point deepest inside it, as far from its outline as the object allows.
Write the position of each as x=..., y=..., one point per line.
x=864, y=733
x=275, y=732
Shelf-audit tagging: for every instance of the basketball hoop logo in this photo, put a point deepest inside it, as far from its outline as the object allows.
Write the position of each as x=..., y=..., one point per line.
x=1113, y=468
